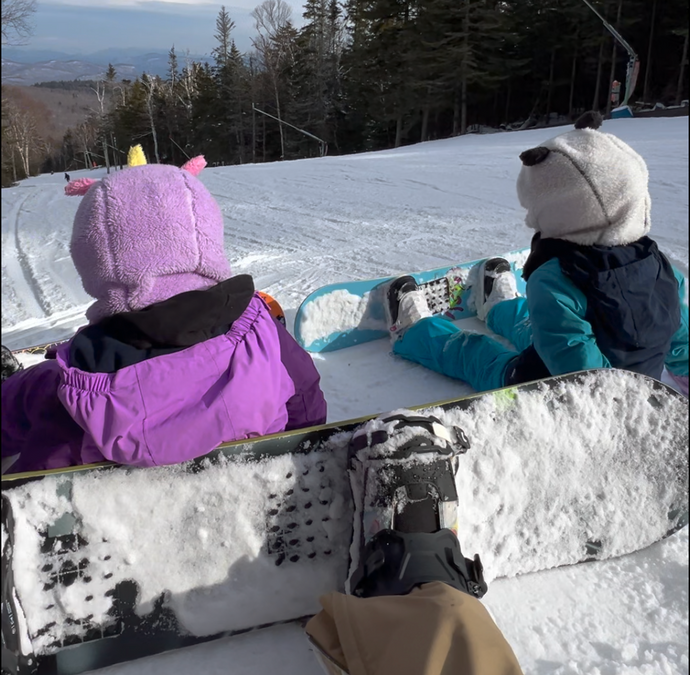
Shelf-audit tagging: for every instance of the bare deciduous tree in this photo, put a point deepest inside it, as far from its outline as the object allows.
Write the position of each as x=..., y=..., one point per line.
x=271, y=19
x=22, y=136
x=86, y=134
x=101, y=113
x=151, y=85
x=16, y=20
x=27, y=134
x=188, y=82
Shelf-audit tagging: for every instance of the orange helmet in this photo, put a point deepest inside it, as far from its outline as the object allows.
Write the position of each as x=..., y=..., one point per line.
x=273, y=306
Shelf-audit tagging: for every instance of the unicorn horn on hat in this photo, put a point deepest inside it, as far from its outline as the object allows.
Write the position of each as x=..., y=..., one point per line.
x=136, y=156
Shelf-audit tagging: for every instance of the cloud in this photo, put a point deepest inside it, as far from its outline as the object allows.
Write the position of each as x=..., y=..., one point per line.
x=129, y=3
x=172, y=5
x=71, y=27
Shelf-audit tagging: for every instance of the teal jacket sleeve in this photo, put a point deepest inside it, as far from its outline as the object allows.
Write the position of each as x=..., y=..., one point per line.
x=562, y=337
x=677, y=358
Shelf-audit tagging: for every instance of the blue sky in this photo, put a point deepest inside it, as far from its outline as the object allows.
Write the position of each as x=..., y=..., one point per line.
x=79, y=27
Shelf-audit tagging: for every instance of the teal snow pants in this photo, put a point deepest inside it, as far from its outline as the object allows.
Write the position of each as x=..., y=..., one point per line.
x=482, y=362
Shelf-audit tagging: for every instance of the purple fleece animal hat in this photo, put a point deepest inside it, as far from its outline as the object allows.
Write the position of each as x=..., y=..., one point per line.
x=144, y=234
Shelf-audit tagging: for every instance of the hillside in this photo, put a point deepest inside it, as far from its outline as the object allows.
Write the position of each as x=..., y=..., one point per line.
x=295, y=226
x=66, y=107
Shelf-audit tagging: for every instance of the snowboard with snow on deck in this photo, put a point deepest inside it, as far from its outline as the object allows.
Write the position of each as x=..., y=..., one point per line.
x=105, y=563
x=349, y=313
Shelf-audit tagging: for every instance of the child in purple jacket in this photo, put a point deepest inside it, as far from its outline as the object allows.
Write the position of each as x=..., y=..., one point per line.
x=178, y=356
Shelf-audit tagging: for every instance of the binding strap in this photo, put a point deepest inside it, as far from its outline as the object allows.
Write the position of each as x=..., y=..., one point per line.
x=394, y=563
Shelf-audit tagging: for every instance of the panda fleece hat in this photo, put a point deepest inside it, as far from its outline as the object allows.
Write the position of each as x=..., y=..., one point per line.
x=145, y=234
x=586, y=186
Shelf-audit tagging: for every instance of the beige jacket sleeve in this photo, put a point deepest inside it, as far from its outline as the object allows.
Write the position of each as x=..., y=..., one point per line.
x=435, y=630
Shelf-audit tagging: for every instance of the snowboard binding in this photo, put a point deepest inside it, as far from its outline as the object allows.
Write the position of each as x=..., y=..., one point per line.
x=402, y=474
x=405, y=305
x=495, y=283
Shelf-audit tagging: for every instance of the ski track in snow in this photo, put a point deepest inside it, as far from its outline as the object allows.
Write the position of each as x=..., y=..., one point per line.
x=296, y=226
x=38, y=275
x=26, y=286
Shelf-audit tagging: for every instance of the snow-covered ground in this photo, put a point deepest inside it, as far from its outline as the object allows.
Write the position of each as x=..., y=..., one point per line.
x=298, y=225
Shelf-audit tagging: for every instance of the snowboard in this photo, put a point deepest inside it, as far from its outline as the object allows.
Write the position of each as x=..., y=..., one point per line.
x=105, y=563
x=349, y=313
x=38, y=350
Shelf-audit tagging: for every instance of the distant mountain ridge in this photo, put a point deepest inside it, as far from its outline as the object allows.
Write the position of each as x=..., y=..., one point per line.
x=49, y=71
x=26, y=66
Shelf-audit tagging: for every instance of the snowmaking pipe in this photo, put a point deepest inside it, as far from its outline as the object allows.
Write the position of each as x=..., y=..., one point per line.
x=633, y=62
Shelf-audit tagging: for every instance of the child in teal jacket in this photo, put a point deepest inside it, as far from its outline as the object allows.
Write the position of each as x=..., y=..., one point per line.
x=599, y=294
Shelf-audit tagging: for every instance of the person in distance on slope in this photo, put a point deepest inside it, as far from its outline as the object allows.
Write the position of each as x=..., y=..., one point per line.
x=600, y=294
x=412, y=606
x=178, y=355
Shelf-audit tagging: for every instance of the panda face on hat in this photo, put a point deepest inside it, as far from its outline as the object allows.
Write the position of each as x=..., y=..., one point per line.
x=586, y=186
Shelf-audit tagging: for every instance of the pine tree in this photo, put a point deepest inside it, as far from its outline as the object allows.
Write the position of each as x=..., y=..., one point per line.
x=229, y=108
x=316, y=76
x=224, y=27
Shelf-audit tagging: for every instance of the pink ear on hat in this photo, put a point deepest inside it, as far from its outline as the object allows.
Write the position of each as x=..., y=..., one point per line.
x=79, y=187
x=195, y=165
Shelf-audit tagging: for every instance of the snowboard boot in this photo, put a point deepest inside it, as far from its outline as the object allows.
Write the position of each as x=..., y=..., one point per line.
x=405, y=305
x=402, y=473
x=10, y=365
x=495, y=283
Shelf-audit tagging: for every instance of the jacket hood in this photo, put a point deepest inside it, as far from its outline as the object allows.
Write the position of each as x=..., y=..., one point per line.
x=123, y=339
x=145, y=234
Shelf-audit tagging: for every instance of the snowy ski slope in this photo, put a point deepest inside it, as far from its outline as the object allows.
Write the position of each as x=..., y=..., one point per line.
x=298, y=225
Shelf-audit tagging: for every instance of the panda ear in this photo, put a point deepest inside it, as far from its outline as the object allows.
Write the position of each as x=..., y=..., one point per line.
x=592, y=119
x=534, y=156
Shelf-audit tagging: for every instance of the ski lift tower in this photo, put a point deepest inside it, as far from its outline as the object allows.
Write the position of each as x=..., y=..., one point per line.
x=633, y=60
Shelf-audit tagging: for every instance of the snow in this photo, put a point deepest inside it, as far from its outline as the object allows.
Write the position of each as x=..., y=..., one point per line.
x=210, y=557
x=281, y=649
x=539, y=458
x=296, y=226
x=336, y=312
x=211, y=523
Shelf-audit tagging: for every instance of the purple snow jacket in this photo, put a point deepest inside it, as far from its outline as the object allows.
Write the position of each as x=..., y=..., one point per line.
x=162, y=385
